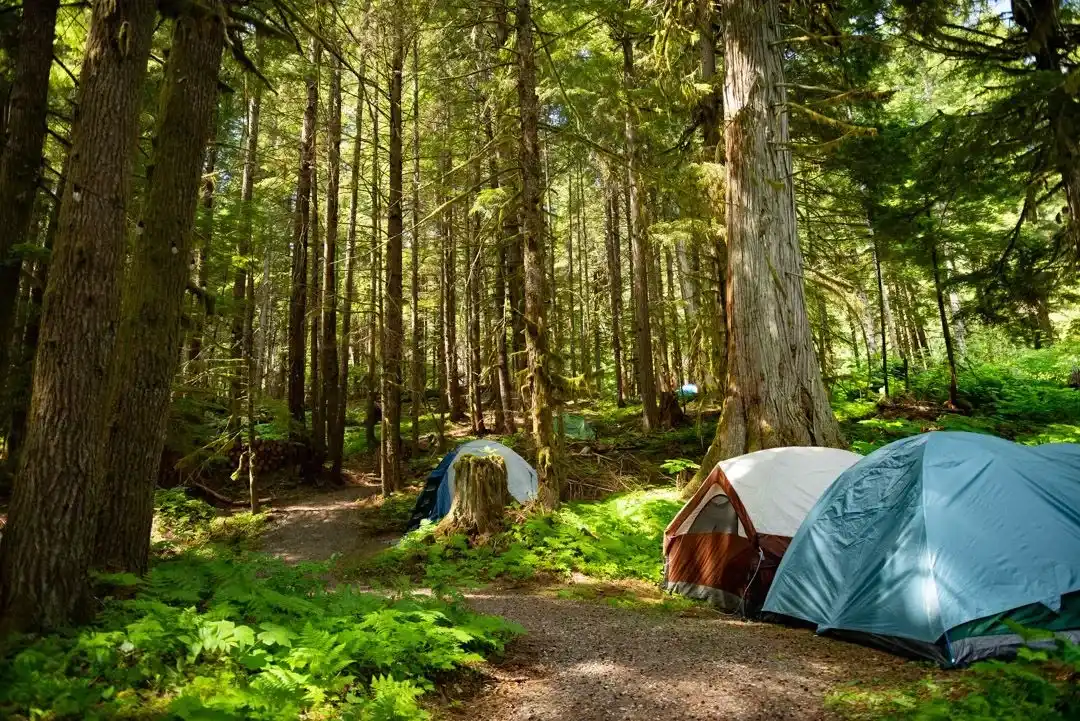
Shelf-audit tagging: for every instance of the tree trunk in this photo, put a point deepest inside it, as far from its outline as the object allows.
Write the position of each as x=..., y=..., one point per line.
x=571, y=316
x=882, y=315
x=49, y=538
x=539, y=369
x=945, y=331
x=20, y=394
x=454, y=399
x=712, y=113
x=372, y=415
x=201, y=258
x=775, y=395
x=350, y=266
x=150, y=335
x=646, y=376
x=331, y=383
x=504, y=410
x=300, y=247
x=20, y=167
x=392, y=361
x=315, y=298
x=672, y=321
x=959, y=329
x=615, y=278
x=472, y=314
x=416, y=380
x=480, y=497
x=243, y=245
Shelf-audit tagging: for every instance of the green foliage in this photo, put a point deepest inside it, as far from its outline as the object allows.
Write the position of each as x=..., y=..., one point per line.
x=1041, y=685
x=1024, y=399
x=182, y=522
x=675, y=466
x=616, y=538
x=216, y=634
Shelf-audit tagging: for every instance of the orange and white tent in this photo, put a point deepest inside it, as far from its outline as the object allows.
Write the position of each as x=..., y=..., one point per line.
x=726, y=542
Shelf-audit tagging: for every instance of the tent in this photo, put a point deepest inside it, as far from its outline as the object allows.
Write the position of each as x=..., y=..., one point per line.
x=577, y=427
x=687, y=392
x=933, y=544
x=726, y=542
x=434, y=501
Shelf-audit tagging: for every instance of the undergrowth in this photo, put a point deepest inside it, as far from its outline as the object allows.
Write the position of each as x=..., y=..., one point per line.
x=1038, y=686
x=219, y=634
x=1024, y=398
x=182, y=522
x=616, y=538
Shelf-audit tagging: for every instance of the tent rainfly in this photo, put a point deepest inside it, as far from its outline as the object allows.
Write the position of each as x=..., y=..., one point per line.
x=726, y=542
x=434, y=501
x=933, y=544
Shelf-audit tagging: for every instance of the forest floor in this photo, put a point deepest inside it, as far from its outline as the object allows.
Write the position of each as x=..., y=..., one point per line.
x=588, y=654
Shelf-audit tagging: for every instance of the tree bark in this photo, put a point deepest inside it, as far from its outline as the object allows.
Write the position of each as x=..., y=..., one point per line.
x=201, y=259
x=672, y=321
x=392, y=360
x=20, y=165
x=945, y=331
x=454, y=399
x=480, y=497
x=539, y=369
x=416, y=370
x=20, y=394
x=646, y=376
x=571, y=316
x=615, y=278
x=504, y=410
x=882, y=315
x=315, y=298
x=331, y=382
x=374, y=331
x=49, y=538
x=350, y=264
x=300, y=247
x=472, y=308
x=150, y=335
x=775, y=395
x=243, y=246
x=711, y=111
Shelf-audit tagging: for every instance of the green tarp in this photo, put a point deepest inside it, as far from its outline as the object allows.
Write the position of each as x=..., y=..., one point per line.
x=577, y=427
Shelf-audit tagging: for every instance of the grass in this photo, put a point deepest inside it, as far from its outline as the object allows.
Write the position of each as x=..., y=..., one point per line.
x=616, y=538
x=1038, y=686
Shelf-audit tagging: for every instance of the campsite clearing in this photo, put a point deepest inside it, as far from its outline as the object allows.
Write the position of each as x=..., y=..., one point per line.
x=607, y=658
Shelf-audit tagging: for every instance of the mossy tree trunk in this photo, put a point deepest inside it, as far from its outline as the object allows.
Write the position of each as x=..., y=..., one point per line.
x=150, y=336
x=392, y=375
x=49, y=538
x=536, y=334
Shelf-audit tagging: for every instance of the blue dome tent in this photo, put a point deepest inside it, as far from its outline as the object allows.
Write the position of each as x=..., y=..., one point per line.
x=932, y=545
x=434, y=501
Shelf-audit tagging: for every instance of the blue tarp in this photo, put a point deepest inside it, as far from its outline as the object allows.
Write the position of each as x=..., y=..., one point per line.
x=934, y=531
x=434, y=501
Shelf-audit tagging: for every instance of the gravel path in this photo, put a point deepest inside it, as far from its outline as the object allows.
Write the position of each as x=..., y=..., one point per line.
x=585, y=661
x=589, y=661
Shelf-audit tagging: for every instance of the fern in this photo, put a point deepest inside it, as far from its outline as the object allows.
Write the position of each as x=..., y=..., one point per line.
x=220, y=634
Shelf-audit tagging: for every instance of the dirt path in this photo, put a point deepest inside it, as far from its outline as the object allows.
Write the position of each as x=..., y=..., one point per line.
x=317, y=526
x=591, y=662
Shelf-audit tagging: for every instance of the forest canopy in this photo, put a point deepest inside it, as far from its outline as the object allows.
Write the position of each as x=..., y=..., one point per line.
x=278, y=233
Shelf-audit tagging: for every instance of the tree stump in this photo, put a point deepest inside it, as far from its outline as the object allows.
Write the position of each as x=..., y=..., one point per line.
x=480, y=496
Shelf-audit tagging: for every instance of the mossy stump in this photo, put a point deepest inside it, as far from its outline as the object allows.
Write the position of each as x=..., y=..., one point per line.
x=480, y=496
